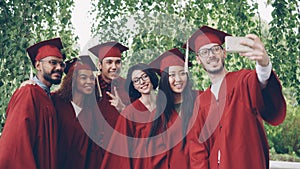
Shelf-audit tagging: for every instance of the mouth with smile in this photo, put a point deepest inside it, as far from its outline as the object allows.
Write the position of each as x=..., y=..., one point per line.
x=178, y=85
x=145, y=86
x=57, y=74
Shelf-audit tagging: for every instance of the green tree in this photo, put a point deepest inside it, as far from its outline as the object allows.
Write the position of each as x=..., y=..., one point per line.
x=24, y=23
x=150, y=28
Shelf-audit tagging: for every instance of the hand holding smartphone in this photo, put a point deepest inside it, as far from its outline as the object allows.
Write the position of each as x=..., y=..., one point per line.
x=233, y=44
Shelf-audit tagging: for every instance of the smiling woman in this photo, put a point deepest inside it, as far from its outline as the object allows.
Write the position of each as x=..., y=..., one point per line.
x=75, y=101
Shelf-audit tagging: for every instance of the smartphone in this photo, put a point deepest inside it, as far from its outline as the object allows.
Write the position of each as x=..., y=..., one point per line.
x=232, y=44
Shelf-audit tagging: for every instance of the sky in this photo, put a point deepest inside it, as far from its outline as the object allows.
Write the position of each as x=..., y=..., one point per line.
x=82, y=21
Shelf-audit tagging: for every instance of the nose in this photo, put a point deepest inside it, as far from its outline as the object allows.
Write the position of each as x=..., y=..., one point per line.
x=177, y=77
x=89, y=80
x=114, y=66
x=59, y=67
x=210, y=54
x=141, y=81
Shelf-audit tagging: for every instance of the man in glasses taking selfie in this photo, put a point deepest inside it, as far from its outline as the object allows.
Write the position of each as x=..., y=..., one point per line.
x=229, y=130
x=30, y=132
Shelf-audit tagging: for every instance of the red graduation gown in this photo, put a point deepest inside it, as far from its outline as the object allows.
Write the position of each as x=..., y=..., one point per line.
x=111, y=115
x=109, y=112
x=30, y=132
x=75, y=149
x=232, y=126
x=136, y=123
x=175, y=156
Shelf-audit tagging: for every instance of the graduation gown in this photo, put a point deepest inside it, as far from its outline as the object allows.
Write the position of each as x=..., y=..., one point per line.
x=229, y=132
x=29, y=137
x=109, y=112
x=123, y=148
x=173, y=156
x=109, y=118
x=75, y=149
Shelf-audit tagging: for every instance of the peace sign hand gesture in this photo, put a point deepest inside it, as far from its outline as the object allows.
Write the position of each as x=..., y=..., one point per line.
x=116, y=100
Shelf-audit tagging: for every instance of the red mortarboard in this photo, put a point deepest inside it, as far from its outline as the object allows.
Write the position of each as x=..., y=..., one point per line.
x=108, y=49
x=206, y=35
x=44, y=49
x=83, y=62
x=172, y=57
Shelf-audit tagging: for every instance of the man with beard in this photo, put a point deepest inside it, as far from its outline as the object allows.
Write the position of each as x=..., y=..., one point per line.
x=229, y=130
x=30, y=133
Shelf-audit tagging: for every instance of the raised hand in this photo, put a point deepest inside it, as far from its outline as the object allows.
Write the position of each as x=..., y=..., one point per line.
x=116, y=100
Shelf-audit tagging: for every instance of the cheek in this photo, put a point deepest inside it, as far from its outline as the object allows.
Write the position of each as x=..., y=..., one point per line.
x=171, y=80
x=79, y=83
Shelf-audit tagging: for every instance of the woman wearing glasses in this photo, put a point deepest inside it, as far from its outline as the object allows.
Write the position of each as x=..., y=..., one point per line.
x=135, y=120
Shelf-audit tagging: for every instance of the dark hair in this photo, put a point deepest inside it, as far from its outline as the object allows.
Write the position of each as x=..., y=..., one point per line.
x=67, y=89
x=132, y=92
x=186, y=107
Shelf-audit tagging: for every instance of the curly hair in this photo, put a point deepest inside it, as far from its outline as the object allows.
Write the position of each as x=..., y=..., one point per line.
x=68, y=85
x=65, y=90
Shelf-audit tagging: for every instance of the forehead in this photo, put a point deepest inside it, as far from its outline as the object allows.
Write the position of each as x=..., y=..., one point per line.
x=176, y=68
x=113, y=59
x=208, y=46
x=137, y=73
x=85, y=72
x=53, y=58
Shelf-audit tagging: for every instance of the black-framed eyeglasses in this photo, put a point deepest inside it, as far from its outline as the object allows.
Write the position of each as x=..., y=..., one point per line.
x=205, y=52
x=144, y=77
x=54, y=63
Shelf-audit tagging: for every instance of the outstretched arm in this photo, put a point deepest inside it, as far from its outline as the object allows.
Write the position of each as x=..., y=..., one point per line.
x=259, y=54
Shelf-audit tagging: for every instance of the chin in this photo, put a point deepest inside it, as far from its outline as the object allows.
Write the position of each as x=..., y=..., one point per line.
x=56, y=81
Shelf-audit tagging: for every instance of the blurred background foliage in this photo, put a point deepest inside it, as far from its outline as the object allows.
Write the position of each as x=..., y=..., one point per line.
x=149, y=28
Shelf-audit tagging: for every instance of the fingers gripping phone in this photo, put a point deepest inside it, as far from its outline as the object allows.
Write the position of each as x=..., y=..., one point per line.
x=232, y=44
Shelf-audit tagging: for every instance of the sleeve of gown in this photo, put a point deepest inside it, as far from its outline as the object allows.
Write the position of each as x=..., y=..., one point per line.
x=198, y=151
x=269, y=102
x=17, y=140
x=275, y=105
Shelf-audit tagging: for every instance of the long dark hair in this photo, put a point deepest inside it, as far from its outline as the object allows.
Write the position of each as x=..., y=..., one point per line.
x=132, y=92
x=166, y=96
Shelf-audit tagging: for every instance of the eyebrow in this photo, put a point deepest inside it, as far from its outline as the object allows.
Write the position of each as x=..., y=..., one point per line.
x=140, y=76
x=110, y=60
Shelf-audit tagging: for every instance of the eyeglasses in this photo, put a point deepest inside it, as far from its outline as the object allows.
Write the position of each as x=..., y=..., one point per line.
x=54, y=63
x=205, y=52
x=144, y=77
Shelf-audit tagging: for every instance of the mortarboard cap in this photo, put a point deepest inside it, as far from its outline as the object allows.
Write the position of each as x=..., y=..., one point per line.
x=172, y=57
x=205, y=35
x=108, y=49
x=83, y=62
x=51, y=47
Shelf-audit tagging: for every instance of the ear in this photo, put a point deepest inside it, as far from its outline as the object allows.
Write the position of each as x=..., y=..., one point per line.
x=198, y=60
x=224, y=52
x=37, y=65
x=100, y=65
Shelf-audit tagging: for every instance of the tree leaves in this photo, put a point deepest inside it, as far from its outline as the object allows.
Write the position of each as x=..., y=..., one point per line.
x=23, y=24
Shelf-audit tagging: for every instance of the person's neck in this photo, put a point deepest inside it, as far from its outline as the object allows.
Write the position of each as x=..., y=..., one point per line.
x=149, y=100
x=43, y=80
x=77, y=98
x=177, y=98
x=215, y=78
x=106, y=79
